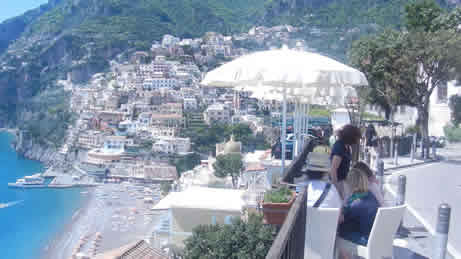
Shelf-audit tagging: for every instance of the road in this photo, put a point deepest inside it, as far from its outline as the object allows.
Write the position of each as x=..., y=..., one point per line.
x=430, y=185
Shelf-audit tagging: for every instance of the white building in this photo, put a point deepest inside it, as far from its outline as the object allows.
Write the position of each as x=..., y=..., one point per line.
x=439, y=110
x=197, y=206
x=161, y=131
x=170, y=41
x=159, y=83
x=116, y=142
x=190, y=103
x=128, y=126
x=90, y=139
x=217, y=113
x=171, y=145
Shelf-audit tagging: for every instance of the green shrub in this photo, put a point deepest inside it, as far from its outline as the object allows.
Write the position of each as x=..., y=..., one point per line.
x=240, y=239
x=410, y=130
x=453, y=134
x=281, y=195
x=455, y=106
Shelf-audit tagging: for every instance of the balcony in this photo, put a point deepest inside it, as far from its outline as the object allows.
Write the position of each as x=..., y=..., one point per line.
x=290, y=240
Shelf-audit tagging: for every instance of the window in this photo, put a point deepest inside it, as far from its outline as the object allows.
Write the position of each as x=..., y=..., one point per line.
x=442, y=93
x=213, y=220
x=228, y=220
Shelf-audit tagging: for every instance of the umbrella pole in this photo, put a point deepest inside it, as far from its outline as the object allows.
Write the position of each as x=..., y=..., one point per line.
x=303, y=126
x=297, y=131
x=284, y=129
x=308, y=109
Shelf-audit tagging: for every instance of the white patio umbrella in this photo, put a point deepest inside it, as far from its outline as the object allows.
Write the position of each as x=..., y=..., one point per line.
x=302, y=75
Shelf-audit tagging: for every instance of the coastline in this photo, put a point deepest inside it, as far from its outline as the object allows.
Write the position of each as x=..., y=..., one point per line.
x=12, y=131
x=64, y=239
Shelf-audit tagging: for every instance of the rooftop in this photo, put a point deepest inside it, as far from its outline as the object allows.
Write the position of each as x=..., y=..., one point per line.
x=199, y=198
x=137, y=250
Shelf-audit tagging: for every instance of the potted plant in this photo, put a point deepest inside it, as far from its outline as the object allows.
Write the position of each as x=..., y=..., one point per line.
x=276, y=204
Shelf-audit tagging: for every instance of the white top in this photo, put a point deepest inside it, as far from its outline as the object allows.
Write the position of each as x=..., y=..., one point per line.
x=204, y=198
x=315, y=190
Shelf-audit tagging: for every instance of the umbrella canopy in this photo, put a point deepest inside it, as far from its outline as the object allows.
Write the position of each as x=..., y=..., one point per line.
x=303, y=76
x=285, y=68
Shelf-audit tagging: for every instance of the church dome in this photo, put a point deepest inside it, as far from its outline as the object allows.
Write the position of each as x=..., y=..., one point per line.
x=232, y=146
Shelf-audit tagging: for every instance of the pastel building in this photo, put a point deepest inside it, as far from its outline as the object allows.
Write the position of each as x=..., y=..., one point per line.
x=217, y=113
x=171, y=145
x=193, y=207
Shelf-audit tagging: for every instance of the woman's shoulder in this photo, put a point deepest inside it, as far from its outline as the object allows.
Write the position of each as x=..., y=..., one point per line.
x=338, y=148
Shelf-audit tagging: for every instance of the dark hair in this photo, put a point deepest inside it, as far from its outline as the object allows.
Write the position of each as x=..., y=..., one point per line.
x=363, y=168
x=350, y=134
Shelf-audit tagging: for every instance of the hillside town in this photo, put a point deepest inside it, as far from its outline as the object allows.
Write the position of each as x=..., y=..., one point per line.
x=134, y=122
x=146, y=104
x=148, y=139
x=148, y=136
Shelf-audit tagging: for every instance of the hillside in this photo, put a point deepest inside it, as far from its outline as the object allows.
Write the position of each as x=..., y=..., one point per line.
x=79, y=37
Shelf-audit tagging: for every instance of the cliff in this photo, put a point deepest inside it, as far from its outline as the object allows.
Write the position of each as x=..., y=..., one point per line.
x=30, y=149
x=11, y=29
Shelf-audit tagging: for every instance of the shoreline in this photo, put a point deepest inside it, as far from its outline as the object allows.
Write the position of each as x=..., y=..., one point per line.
x=12, y=131
x=53, y=249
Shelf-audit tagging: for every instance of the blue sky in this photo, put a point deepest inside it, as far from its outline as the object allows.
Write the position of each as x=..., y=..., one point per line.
x=12, y=8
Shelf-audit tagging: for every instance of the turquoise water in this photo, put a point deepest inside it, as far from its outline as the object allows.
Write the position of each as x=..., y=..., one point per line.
x=29, y=225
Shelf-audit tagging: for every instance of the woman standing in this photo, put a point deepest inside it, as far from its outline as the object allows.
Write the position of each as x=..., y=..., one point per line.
x=341, y=155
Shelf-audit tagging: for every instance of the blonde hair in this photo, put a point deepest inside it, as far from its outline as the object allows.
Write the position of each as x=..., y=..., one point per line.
x=357, y=180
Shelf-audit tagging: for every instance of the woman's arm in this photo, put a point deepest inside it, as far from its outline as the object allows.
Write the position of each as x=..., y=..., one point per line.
x=335, y=162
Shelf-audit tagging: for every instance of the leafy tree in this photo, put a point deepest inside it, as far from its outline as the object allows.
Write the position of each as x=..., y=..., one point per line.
x=435, y=58
x=228, y=165
x=406, y=67
x=378, y=58
x=185, y=163
x=205, y=137
x=421, y=14
x=238, y=240
x=455, y=106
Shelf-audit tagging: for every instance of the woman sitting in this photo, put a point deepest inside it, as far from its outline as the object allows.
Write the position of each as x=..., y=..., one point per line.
x=358, y=213
x=373, y=183
x=320, y=192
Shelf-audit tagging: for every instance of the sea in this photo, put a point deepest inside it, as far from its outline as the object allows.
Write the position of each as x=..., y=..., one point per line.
x=33, y=217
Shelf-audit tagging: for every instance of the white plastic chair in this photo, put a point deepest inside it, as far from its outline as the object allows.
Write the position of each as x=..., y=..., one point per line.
x=321, y=226
x=380, y=242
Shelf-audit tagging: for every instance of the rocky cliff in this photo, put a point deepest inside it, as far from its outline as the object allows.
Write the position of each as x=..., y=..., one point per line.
x=11, y=29
x=30, y=149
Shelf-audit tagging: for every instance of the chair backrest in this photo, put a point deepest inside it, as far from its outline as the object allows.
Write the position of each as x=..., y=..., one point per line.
x=321, y=226
x=385, y=226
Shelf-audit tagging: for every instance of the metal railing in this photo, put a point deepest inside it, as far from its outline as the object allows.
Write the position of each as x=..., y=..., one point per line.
x=289, y=242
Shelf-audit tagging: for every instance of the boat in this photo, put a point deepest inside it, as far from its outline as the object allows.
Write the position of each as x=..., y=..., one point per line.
x=35, y=180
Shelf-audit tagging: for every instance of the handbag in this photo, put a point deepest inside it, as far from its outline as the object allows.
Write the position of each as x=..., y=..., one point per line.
x=322, y=196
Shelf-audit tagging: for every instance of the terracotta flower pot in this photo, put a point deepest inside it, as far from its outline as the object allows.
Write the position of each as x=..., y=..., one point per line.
x=275, y=213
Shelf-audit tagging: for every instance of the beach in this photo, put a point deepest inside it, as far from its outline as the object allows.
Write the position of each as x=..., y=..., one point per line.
x=113, y=215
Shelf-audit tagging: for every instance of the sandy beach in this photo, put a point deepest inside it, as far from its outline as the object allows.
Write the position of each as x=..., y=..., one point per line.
x=112, y=216
x=52, y=250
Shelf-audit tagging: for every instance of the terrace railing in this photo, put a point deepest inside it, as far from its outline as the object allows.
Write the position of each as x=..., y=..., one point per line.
x=289, y=242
